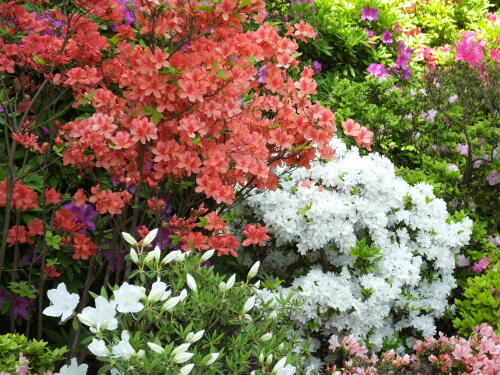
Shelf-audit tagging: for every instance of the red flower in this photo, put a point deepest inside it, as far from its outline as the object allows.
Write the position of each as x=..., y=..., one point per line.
x=35, y=227
x=18, y=234
x=52, y=196
x=50, y=271
x=255, y=235
x=84, y=247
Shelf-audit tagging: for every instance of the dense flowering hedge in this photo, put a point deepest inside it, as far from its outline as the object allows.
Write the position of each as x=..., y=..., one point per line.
x=121, y=114
x=368, y=253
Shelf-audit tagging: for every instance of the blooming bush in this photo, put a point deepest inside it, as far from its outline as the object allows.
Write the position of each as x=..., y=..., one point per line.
x=19, y=355
x=118, y=115
x=177, y=315
x=478, y=355
x=369, y=254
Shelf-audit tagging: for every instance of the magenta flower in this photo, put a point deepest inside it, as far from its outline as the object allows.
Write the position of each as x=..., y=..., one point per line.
x=463, y=149
x=316, y=66
x=402, y=60
x=481, y=265
x=371, y=33
x=377, y=70
x=387, y=37
x=470, y=50
x=369, y=14
x=495, y=55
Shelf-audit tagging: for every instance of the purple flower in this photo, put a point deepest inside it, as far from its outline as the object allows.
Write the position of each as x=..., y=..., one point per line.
x=387, y=37
x=416, y=135
x=19, y=307
x=402, y=60
x=481, y=265
x=132, y=188
x=116, y=259
x=453, y=167
x=128, y=7
x=463, y=261
x=405, y=73
x=371, y=33
x=430, y=115
x=452, y=99
x=377, y=70
x=261, y=75
x=494, y=240
x=2, y=108
x=84, y=214
x=3, y=297
x=493, y=178
x=31, y=257
x=57, y=24
x=369, y=14
x=316, y=66
x=463, y=149
x=163, y=237
x=477, y=163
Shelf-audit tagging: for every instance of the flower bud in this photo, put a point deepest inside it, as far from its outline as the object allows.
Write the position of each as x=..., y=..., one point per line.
x=279, y=365
x=207, y=255
x=269, y=359
x=193, y=337
x=266, y=337
x=133, y=256
x=127, y=237
x=186, y=369
x=173, y=255
x=171, y=303
x=155, y=347
x=253, y=271
x=191, y=283
x=149, y=237
x=182, y=357
x=213, y=358
x=249, y=304
x=153, y=255
x=230, y=282
x=183, y=294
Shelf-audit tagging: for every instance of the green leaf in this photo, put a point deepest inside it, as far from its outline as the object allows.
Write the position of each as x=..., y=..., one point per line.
x=204, y=8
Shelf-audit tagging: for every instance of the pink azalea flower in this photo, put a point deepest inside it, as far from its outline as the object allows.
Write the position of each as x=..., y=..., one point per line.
x=495, y=55
x=387, y=37
x=481, y=265
x=369, y=14
x=463, y=261
x=463, y=149
x=470, y=50
x=493, y=178
x=377, y=70
x=453, y=167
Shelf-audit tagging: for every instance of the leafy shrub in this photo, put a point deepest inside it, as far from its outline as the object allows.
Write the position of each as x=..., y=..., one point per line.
x=478, y=355
x=41, y=357
x=154, y=325
x=480, y=303
x=368, y=254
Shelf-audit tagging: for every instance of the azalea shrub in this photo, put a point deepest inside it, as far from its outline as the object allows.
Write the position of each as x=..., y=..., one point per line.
x=20, y=355
x=119, y=115
x=368, y=254
x=480, y=302
x=477, y=355
x=176, y=315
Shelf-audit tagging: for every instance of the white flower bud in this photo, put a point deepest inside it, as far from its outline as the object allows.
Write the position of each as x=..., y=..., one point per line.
x=186, y=369
x=281, y=346
x=253, y=271
x=158, y=291
x=181, y=348
x=153, y=255
x=182, y=357
x=173, y=255
x=131, y=240
x=213, y=358
x=193, y=337
x=171, y=303
x=183, y=294
x=266, y=337
x=207, y=255
x=155, y=347
x=249, y=304
x=257, y=284
x=261, y=357
x=140, y=353
x=230, y=282
x=191, y=283
x=133, y=256
x=85, y=320
x=222, y=286
x=269, y=359
x=149, y=237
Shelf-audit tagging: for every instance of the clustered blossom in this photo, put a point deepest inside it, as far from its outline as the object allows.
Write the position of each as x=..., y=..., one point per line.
x=369, y=14
x=361, y=135
x=353, y=198
x=478, y=355
x=470, y=49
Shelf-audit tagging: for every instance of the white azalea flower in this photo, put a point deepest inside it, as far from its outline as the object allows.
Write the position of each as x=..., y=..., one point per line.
x=73, y=369
x=127, y=298
x=186, y=369
x=158, y=291
x=171, y=303
x=63, y=303
x=253, y=271
x=153, y=255
x=155, y=347
x=287, y=370
x=101, y=317
x=98, y=348
x=249, y=304
x=193, y=337
x=123, y=349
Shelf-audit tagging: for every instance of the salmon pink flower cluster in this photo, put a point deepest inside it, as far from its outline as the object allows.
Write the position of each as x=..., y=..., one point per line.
x=478, y=355
x=362, y=135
